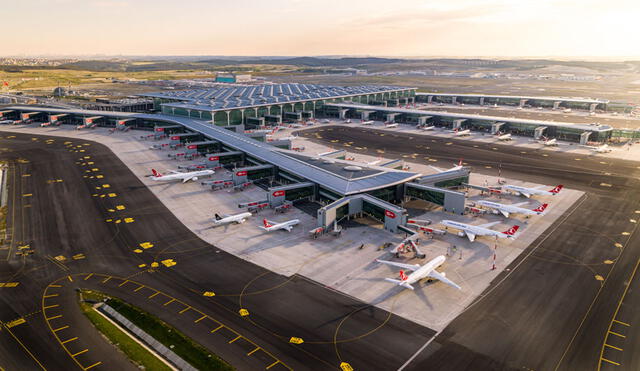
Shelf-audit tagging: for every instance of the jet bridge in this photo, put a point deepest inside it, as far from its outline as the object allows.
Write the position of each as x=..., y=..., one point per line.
x=457, y=124
x=539, y=132
x=452, y=201
x=206, y=146
x=125, y=124
x=161, y=131
x=584, y=137
x=496, y=127
x=244, y=174
x=178, y=139
x=61, y=118
x=94, y=120
x=290, y=192
x=390, y=215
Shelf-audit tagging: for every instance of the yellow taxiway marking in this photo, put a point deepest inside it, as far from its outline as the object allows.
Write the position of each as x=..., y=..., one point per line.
x=613, y=363
x=106, y=279
x=273, y=364
x=296, y=340
x=80, y=352
x=27, y=195
x=120, y=207
x=153, y=295
x=123, y=283
x=216, y=329
x=611, y=346
x=60, y=328
x=88, y=276
x=139, y=288
x=95, y=364
x=169, y=302
x=54, y=317
x=9, y=284
x=15, y=323
x=617, y=334
x=50, y=296
x=253, y=351
x=622, y=323
x=199, y=319
x=184, y=310
x=68, y=340
x=238, y=337
x=243, y=312
x=344, y=366
x=51, y=306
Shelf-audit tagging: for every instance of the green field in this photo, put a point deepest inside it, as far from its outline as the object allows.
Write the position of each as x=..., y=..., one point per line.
x=134, y=351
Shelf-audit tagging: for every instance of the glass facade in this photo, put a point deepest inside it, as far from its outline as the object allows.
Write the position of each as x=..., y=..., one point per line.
x=427, y=195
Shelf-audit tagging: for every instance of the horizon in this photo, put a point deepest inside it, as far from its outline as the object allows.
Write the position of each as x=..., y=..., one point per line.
x=465, y=29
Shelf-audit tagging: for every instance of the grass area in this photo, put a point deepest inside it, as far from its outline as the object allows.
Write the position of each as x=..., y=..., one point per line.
x=134, y=351
x=192, y=352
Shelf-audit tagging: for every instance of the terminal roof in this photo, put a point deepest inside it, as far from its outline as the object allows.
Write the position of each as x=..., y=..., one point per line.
x=419, y=112
x=225, y=98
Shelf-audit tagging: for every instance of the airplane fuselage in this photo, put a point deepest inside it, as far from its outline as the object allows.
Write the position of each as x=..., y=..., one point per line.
x=183, y=176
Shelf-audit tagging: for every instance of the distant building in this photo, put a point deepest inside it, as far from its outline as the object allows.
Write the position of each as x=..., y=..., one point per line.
x=232, y=78
x=60, y=92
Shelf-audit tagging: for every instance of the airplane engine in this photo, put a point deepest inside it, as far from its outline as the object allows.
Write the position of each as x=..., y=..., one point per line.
x=460, y=234
x=195, y=178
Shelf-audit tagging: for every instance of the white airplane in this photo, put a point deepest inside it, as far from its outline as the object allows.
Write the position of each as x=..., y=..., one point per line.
x=226, y=219
x=369, y=122
x=427, y=128
x=273, y=226
x=600, y=149
x=390, y=125
x=471, y=231
x=506, y=210
x=461, y=133
x=454, y=168
x=375, y=162
x=528, y=192
x=419, y=272
x=548, y=142
x=505, y=137
x=185, y=177
x=6, y=122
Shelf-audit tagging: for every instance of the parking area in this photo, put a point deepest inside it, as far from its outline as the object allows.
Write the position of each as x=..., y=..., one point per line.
x=345, y=263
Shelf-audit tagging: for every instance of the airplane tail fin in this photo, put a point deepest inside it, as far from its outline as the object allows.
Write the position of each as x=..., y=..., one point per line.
x=155, y=173
x=266, y=223
x=557, y=189
x=460, y=162
x=217, y=217
x=540, y=208
x=403, y=276
x=511, y=231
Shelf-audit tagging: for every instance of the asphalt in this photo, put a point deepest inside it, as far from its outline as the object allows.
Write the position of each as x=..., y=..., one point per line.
x=552, y=308
x=84, y=216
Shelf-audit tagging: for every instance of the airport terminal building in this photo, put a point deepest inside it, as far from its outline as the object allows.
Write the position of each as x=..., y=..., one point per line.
x=255, y=105
x=343, y=187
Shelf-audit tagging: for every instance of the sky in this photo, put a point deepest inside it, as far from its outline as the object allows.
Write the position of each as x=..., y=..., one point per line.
x=465, y=28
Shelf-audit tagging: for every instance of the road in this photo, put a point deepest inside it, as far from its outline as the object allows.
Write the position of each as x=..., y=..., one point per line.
x=78, y=218
x=552, y=307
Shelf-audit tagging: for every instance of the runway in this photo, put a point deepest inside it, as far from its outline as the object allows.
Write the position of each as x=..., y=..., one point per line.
x=551, y=308
x=88, y=222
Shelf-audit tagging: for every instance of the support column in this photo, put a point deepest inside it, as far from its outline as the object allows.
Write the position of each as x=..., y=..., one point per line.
x=228, y=117
x=482, y=101
x=522, y=103
x=454, y=100
x=242, y=116
x=556, y=105
x=429, y=98
x=592, y=107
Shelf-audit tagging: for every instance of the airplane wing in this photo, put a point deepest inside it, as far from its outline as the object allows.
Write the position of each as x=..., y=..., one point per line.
x=174, y=172
x=504, y=212
x=400, y=283
x=519, y=204
x=436, y=169
x=470, y=235
x=525, y=194
x=186, y=179
x=538, y=187
x=441, y=277
x=411, y=267
x=488, y=225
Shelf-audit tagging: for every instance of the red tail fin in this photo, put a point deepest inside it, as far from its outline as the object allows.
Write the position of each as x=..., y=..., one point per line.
x=511, y=231
x=403, y=277
x=460, y=162
x=155, y=173
x=557, y=189
x=541, y=208
x=266, y=223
